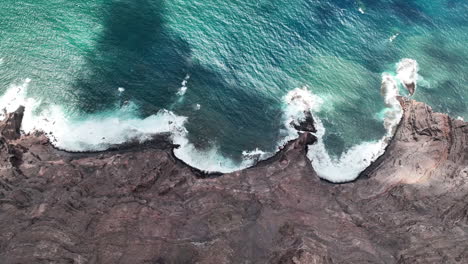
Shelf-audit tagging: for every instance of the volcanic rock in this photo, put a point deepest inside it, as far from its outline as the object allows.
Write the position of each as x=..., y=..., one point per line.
x=305, y=125
x=140, y=204
x=411, y=87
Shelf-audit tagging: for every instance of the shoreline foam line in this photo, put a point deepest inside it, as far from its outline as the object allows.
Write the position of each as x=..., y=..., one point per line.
x=92, y=132
x=351, y=163
x=99, y=132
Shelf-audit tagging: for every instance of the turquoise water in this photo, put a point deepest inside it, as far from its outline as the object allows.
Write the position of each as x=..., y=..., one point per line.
x=238, y=59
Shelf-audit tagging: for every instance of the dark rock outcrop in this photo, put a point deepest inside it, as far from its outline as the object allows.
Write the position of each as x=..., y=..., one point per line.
x=142, y=205
x=306, y=125
x=12, y=125
x=411, y=87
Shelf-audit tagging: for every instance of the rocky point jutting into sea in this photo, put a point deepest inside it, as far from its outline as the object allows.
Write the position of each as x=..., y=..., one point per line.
x=138, y=203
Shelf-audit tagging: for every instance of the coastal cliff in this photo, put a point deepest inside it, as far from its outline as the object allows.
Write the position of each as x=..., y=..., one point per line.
x=139, y=204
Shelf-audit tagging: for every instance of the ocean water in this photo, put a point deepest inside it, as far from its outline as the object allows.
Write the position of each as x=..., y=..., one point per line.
x=226, y=78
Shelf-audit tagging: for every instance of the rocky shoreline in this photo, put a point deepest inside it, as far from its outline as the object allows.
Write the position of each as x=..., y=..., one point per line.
x=140, y=204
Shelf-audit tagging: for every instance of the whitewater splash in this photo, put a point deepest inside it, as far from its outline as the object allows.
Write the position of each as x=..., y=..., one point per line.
x=98, y=132
x=393, y=37
x=183, y=88
x=92, y=133
x=351, y=163
x=407, y=74
x=298, y=102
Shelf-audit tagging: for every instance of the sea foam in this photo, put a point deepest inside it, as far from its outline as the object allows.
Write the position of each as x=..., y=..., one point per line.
x=98, y=132
x=183, y=88
x=297, y=102
x=352, y=162
x=94, y=132
x=407, y=71
x=393, y=37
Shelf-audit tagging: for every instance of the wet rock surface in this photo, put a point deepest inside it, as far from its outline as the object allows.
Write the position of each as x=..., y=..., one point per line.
x=139, y=204
x=411, y=87
x=306, y=125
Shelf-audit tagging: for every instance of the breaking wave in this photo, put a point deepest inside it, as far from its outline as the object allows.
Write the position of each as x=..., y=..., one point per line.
x=183, y=87
x=351, y=163
x=407, y=72
x=92, y=133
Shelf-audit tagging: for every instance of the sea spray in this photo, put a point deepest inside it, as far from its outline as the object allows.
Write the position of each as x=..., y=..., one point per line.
x=98, y=132
x=352, y=162
x=407, y=73
x=298, y=101
x=393, y=37
x=183, y=88
x=92, y=132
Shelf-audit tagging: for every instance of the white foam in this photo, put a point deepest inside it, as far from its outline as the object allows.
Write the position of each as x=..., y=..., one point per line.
x=351, y=163
x=98, y=132
x=212, y=160
x=255, y=155
x=407, y=71
x=255, y=152
x=299, y=101
x=394, y=112
x=182, y=91
x=183, y=88
x=348, y=166
x=14, y=97
x=93, y=133
x=393, y=37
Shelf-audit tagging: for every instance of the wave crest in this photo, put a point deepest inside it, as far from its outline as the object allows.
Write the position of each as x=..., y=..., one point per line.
x=356, y=159
x=351, y=163
x=98, y=132
x=407, y=73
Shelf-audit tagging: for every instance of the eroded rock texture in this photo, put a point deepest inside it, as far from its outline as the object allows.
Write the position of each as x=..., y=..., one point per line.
x=139, y=204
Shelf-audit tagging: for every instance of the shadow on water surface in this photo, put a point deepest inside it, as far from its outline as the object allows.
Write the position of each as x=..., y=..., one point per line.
x=139, y=52
x=134, y=51
x=408, y=11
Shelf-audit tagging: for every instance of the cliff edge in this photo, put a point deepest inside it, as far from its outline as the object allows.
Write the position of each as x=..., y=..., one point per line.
x=140, y=204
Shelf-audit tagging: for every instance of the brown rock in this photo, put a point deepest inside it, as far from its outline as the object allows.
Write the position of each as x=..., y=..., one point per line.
x=11, y=127
x=139, y=204
x=411, y=87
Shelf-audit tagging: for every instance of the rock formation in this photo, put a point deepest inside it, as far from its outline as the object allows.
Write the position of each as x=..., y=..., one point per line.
x=306, y=125
x=139, y=204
